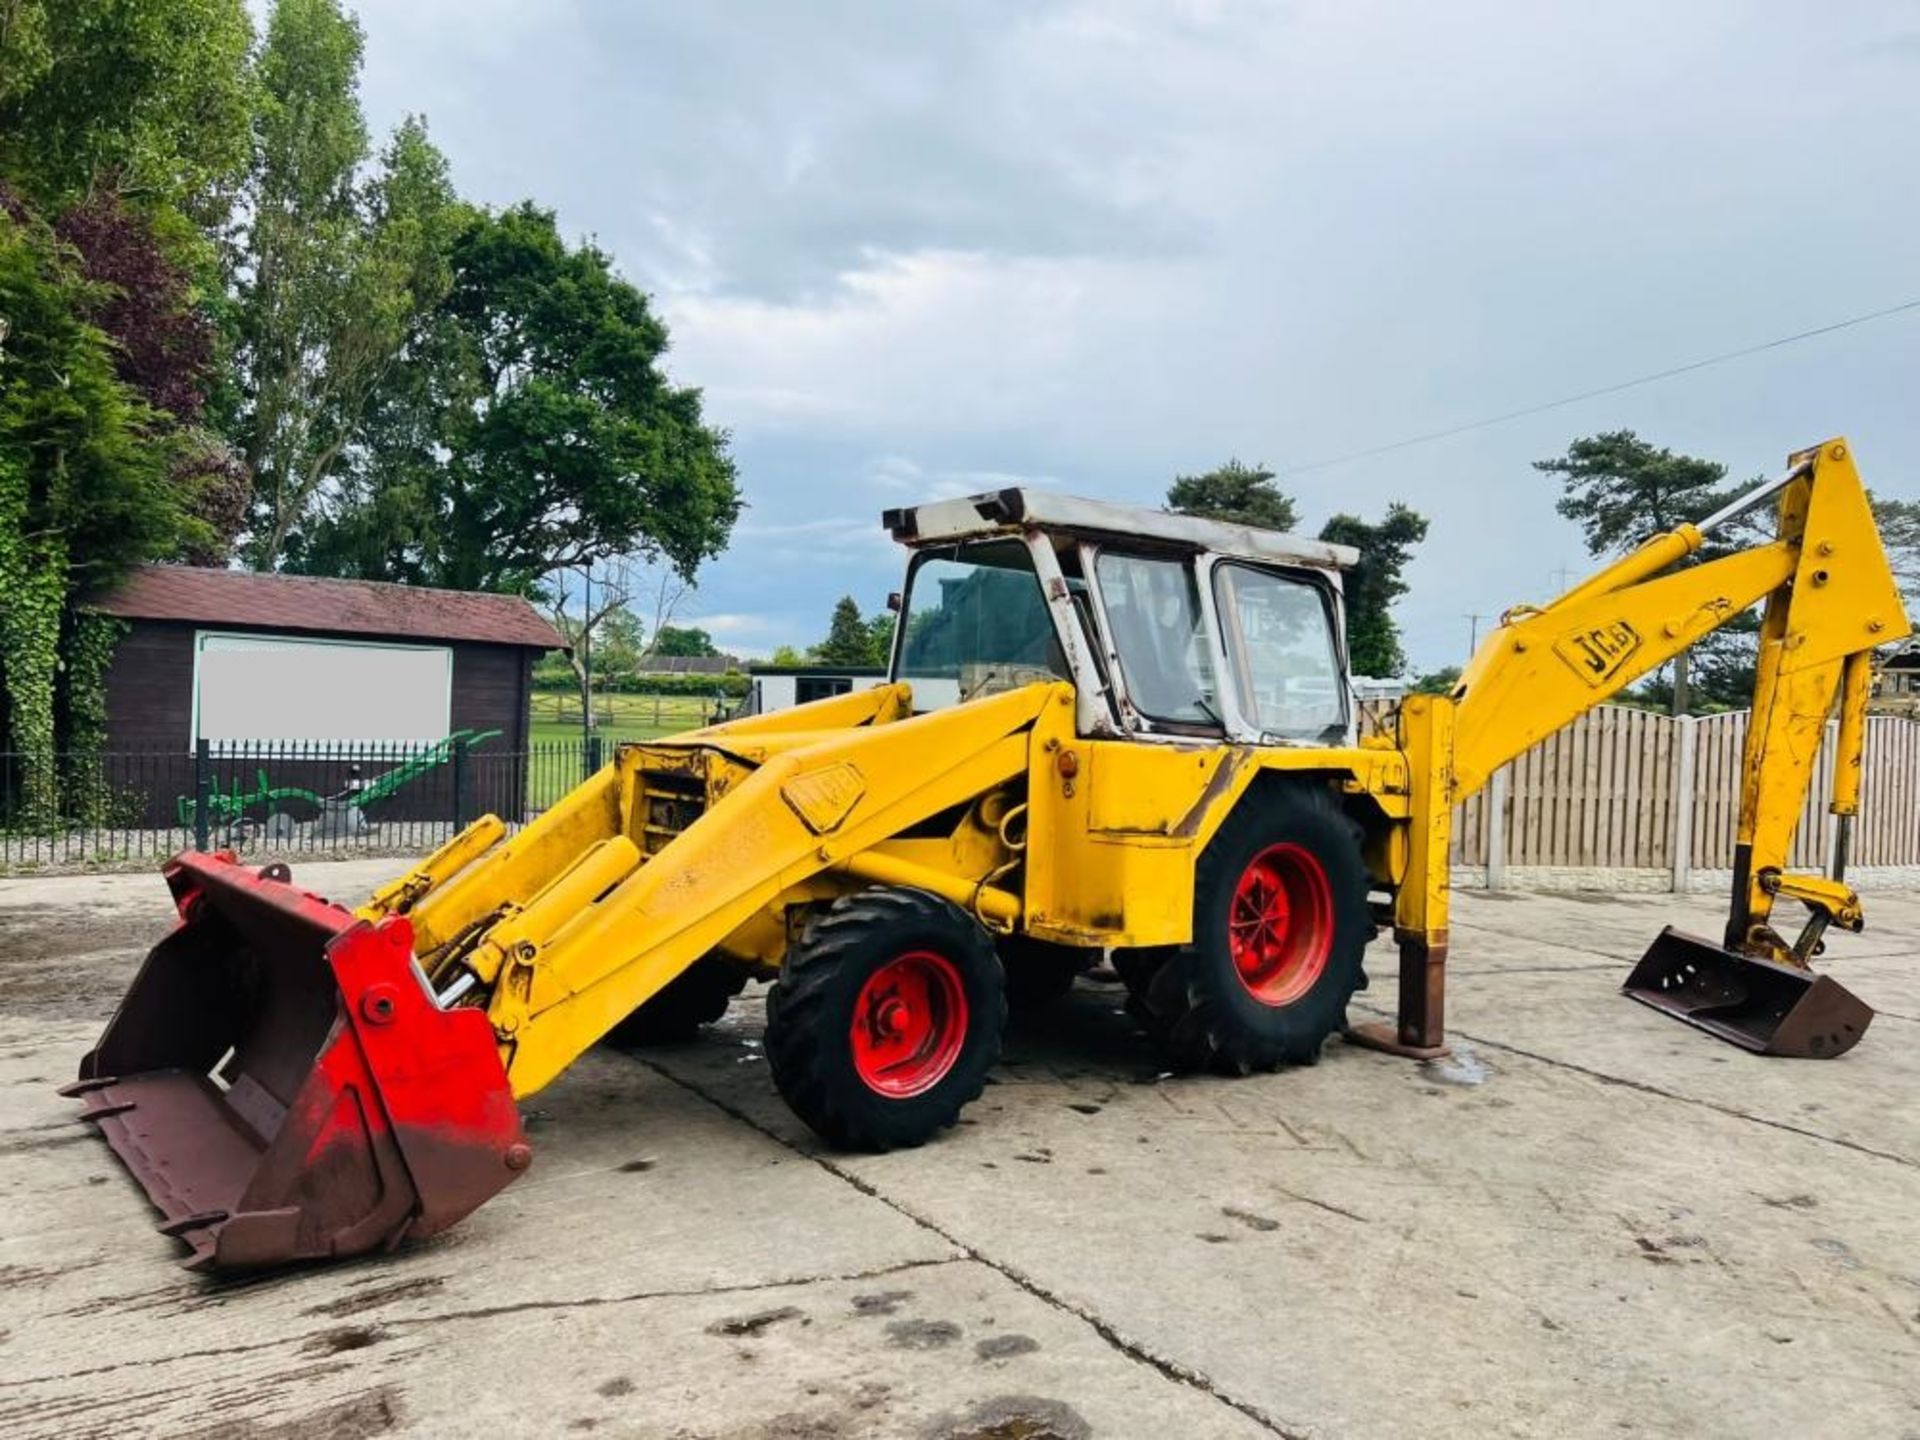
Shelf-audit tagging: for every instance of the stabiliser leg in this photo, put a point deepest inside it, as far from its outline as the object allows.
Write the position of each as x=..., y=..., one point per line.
x=1420, y=1031
x=1421, y=907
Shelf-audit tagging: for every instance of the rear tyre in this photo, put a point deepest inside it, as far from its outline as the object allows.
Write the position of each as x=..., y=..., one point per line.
x=1040, y=974
x=1280, y=929
x=696, y=996
x=886, y=1018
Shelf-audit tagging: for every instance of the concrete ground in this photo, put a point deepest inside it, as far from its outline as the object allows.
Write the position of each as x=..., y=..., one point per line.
x=1592, y=1221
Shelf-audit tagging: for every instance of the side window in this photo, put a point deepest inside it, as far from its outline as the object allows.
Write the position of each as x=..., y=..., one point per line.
x=1159, y=631
x=1279, y=634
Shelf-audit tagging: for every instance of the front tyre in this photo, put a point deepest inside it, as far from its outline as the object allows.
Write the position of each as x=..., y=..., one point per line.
x=1280, y=929
x=886, y=1018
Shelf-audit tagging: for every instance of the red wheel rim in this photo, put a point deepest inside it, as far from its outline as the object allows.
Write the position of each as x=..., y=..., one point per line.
x=909, y=1023
x=1280, y=929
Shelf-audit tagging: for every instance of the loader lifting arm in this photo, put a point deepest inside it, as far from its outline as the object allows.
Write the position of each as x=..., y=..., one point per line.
x=1831, y=599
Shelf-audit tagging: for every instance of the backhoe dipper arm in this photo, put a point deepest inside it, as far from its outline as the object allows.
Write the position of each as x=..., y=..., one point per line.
x=1831, y=598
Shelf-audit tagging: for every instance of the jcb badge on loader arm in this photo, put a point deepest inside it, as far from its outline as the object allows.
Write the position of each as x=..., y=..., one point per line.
x=1106, y=730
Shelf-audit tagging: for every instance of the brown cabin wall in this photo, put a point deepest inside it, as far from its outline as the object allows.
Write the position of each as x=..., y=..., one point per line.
x=149, y=694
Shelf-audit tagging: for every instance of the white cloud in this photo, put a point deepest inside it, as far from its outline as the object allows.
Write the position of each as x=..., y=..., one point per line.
x=909, y=250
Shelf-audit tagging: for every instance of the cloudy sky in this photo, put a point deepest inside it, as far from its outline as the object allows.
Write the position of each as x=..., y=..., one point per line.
x=912, y=249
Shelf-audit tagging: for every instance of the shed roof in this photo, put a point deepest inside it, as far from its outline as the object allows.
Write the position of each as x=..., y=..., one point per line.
x=249, y=600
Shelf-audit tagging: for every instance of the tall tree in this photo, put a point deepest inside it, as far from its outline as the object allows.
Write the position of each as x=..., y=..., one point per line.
x=1621, y=491
x=1375, y=583
x=332, y=272
x=848, y=641
x=544, y=434
x=1245, y=494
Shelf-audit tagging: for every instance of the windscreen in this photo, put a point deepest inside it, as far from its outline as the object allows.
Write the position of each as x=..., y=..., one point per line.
x=975, y=623
x=1280, y=636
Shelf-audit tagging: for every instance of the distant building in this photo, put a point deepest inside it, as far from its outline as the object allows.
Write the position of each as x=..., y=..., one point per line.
x=319, y=684
x=238, y=657
x=780, y=687
x=1369, y=687
x=690, y=664
x=1898, y=677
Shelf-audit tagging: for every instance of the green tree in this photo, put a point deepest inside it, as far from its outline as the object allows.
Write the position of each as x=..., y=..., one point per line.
x=333, y=272
x=1245, y=494
x=144, y=99
x=880, y=637
x=1899, y=525
x=85, y=487
x=787, y=656
x=543, y=434
x=1375, y=584
x=1437, y=682
x=848, y=641
x=683, y=641
x=1621, y=491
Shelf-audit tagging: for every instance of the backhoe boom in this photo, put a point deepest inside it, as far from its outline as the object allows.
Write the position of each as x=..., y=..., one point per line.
x=1831, y=599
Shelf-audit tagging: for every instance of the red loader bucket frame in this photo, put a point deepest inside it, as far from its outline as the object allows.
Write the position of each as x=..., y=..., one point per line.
x=284, y=1087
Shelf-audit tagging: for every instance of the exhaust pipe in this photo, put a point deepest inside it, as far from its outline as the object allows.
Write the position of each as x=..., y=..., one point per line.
x=284, y=1086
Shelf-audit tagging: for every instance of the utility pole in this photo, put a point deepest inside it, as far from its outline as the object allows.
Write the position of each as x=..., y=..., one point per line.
x=1473, y=619
x=586, y=660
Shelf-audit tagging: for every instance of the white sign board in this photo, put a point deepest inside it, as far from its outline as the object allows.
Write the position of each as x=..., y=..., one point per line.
x=250, y=689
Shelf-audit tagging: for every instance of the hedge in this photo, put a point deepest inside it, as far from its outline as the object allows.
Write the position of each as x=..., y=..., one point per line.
x=733, y=684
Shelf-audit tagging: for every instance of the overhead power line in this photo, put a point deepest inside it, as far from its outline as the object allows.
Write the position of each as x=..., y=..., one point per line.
x=1432, y=435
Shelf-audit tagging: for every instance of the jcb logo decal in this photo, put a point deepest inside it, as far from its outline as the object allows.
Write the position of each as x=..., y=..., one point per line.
x=1598, y=653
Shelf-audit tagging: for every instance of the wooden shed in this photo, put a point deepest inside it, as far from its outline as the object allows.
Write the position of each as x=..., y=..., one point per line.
x=280, y=665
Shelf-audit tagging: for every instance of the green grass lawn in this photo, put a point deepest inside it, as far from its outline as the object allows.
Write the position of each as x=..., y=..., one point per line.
x=556, y=717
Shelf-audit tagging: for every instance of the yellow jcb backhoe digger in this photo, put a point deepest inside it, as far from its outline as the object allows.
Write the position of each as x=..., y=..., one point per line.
x=1107, y=730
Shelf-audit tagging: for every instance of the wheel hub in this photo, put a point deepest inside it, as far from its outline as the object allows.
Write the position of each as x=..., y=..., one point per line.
x=909, y=1024
x=1280, y=926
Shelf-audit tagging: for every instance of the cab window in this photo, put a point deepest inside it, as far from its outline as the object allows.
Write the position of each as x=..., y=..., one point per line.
x=975, y=624
x=1159, y=632
x=1279, y=634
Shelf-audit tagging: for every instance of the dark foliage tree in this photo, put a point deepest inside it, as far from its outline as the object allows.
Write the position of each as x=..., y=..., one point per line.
x=143, y=301
x=1375, y=584
x=1245, y=494
x=848, y=641
x=1621, y=491
x=683, y=641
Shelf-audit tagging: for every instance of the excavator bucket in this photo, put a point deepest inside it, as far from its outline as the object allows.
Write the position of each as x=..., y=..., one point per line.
x=284, y=1086
x=1756, y=1004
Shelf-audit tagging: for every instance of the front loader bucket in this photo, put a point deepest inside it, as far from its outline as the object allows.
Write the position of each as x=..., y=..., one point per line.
x=1756, y=1004
x=283, y=1085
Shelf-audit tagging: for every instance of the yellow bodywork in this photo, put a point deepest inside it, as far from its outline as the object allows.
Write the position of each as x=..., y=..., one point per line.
x=724, y=839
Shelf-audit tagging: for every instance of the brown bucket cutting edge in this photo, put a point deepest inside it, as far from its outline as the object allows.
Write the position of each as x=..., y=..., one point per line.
x=1768, y=1008
x=283, y=1085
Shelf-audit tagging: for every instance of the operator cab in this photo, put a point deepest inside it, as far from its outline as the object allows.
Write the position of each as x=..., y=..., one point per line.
x=1170, y=627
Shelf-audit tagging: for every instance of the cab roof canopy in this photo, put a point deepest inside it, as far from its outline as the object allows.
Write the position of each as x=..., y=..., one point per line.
x=1010, y=512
